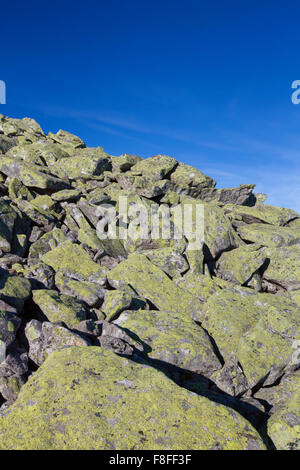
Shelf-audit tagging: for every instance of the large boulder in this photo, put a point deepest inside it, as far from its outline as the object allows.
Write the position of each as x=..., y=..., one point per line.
x=173, y=340
x=82, y=398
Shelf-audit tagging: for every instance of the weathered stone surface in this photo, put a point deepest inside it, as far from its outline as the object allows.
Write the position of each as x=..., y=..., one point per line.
x=189, y=181
x=79, y=167
x=59, y=307
x=259, y=329
x=237, y=266
x=44, y=338
x=242, y=195
x=284, y=267
x=262, y=213
x=153, y=284
x=146, y=418
x=124, y=162
x=284, y=423
x=173, y=340
x=268, y=235
x=67, y=138
x=114, y=303
x=14, y=289
x=158, y=167
x=219, y=235
x=74, y=261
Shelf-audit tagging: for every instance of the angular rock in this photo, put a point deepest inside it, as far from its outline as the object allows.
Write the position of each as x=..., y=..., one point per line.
x=114, y=303
x=73, y=260
x=268, y=235
x=237, y=266
x=169, y=338
x=146, y=419
x=44, y=338
x=284, y=267
x=60, y=308
x=153, y=284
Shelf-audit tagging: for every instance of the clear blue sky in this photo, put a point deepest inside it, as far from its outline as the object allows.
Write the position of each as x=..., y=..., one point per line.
x=208, y=82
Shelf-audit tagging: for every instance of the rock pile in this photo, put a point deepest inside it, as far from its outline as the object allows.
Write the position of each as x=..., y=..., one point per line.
x=141, y=343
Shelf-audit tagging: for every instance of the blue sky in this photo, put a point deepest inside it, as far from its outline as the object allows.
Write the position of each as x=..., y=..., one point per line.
x=208, y=82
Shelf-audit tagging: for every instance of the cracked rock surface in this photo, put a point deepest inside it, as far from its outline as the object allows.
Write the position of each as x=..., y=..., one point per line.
x=140, y=342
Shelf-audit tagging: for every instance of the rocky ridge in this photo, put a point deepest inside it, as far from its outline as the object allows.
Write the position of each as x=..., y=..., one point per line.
x=141, y=343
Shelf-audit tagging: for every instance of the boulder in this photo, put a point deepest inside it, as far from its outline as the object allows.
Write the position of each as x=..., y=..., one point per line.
x=82, y=398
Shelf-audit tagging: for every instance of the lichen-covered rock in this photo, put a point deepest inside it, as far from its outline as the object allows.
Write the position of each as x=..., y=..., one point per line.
x=284, y=423
x=189, y=181
x=262, y=213
x=59, y=307
x=168, y=260
x=31, y=175
x=284, y=267
x=114, y=303
x=73, y=260
x=86, y=399
x=89, y=292
x=242, y=195
x=158, y=167
x=44, y=338
x=259, y=329
x=124, y=162
x=268, y=235
x=79, y=167
x=14, y=289
x=66, y=138
x=172, y=339
x=237, y=266
x=153, y=284
x=219, y=234
x=9, y=325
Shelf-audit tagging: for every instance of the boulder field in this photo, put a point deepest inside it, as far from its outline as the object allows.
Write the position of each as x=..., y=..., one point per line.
x=143, y=340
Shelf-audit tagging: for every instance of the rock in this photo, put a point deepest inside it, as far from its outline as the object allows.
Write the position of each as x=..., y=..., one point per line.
x=238, y=266
x=153, y=284
x=19, y=127
x=44, y=338
x=284, y=267
x=60, y=308
x=262, y=213
x=268, y=235
x=9, y=325
x=284, y=423
x=219, y=234
x=168, y=260
x=66, y=138
x=231, y=378
x=14, y=289
x=146, y=419
x=204, y=308
x=73, y=261
x=88, y=292
x=7, y=223
x=114, y=303
x=66, y=195
x=242, y=195
x=158, y=167
x=31, y=175
x=259, y=329
x=169, y=338
x=189, y=181
x=79, y=167
x=124, y=162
